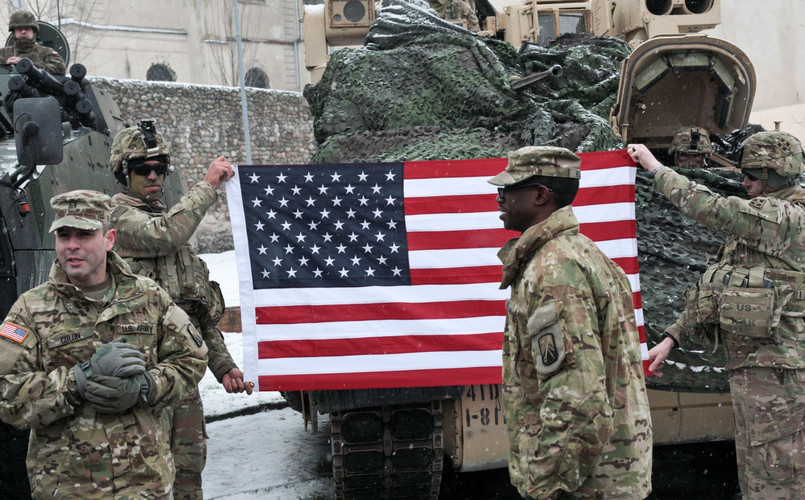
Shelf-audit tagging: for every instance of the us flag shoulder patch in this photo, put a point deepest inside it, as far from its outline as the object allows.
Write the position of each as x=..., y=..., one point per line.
x=14, y=332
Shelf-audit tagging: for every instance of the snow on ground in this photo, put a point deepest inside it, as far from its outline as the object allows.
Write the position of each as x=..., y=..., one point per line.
x=266, y=455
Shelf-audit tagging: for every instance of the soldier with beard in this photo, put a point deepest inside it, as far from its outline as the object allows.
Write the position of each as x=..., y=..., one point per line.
x=154, y=240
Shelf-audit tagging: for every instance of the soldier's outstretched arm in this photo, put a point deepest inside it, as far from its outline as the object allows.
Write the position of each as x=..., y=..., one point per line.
x=30, y=396
x=143, y=235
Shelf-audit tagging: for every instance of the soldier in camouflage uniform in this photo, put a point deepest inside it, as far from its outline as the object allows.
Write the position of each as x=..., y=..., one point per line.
x=155, y=243
x=574, y=396
x=691, y=147
x=751, y=301
x=456, y=10
x=23, y=25
x=94, y=401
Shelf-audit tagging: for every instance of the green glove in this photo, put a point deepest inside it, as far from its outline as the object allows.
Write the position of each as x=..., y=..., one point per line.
x=147, y=388
x=116, y=359
x=109, y=394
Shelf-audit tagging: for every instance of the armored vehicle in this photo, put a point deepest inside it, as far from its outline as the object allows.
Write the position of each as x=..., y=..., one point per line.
x=391, y=442
x=55, y=136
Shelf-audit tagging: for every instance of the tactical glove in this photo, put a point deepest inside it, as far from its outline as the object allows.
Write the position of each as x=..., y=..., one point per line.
x=116, y=359
x=147, y=388
x=108, y=394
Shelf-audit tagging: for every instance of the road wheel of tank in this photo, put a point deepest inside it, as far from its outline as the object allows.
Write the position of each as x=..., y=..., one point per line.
x=391, y=451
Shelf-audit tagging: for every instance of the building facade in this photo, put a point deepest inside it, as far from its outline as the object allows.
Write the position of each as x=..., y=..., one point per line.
x=192, y=41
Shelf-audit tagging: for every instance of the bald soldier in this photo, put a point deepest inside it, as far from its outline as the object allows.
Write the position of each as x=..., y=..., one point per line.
x=574, y=396
x=89, y=360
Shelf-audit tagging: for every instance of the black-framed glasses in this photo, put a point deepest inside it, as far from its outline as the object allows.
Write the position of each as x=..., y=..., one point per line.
x=749, y=176
x=145, y=169
x=502, y=190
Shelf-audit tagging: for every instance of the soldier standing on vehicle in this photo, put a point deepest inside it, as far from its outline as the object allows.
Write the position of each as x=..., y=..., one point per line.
x=751, y=301
x=90, y=359
x=573, y=390
x=154, y=240
x=23, y=25
x=691, y=147
x=456, y=10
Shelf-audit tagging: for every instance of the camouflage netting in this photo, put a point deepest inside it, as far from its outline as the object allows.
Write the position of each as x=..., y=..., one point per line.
x=425, y=89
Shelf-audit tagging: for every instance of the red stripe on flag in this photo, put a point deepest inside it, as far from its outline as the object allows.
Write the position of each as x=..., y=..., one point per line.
x=604, y=195
x=379, y=345
x=457, y=275
x=441, y=240
x=628, y=264
x=453, y=168
x=283, y=315
x=381, y=380
x=603, y=231
x=600, y=160
x=459, y=204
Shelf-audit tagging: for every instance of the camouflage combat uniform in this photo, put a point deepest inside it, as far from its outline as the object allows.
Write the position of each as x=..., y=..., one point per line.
x=43, y=57
x=76, y=452
x=154, y=241
x=753, y=299
x=457, y=9
x=574, y=396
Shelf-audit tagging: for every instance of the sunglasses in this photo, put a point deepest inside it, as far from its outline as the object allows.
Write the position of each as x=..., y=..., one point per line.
x=145, y=169
x=749, y=176
x=503, y=190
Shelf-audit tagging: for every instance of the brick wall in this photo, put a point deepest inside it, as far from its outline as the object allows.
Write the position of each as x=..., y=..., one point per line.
x=201, y=122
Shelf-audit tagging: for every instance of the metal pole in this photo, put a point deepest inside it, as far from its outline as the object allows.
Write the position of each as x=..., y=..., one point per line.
x=243, y=105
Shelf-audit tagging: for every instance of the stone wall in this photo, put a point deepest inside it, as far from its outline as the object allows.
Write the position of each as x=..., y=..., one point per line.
x=202, y=122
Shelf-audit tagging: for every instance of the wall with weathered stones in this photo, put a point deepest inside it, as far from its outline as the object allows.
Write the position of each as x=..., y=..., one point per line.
x=202, y=122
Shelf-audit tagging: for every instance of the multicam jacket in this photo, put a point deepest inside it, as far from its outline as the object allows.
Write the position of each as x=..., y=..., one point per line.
x=43, y=57
x=155, y=243
x=74, y=451
x=765, y=235
x=574, y=395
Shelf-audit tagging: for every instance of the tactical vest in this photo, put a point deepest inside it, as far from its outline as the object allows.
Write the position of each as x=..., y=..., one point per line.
x=186, y=279
x=759, y=313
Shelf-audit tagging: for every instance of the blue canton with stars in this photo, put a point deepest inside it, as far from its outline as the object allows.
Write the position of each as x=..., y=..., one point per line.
x=337, y=225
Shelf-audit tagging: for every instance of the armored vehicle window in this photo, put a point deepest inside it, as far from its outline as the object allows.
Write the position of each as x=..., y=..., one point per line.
x=553, y=23
x=257, y=78
x=547, y=31
x=160, y=73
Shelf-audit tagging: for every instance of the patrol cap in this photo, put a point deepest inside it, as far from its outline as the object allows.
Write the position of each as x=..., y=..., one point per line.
x=548, y=161
x=81, y=209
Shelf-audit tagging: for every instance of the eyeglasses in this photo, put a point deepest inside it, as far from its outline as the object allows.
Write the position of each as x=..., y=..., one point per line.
x=502, y=190
x=145, y=169
x=749, y=176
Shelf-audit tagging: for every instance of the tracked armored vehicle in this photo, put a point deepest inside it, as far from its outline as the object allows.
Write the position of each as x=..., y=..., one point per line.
x=390, y=443
x=55, y=136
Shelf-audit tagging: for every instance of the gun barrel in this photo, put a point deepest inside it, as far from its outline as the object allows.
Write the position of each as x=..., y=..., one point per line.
x=38, y=78
x=554, y=71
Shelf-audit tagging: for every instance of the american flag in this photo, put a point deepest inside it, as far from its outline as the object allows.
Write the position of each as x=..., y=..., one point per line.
x=13, y=332
x=381, y=275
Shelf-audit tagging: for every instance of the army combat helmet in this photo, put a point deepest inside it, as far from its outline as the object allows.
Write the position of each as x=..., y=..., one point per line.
x=775, y=157
x=134, y=144
x=691, y=141
x=23, y=19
